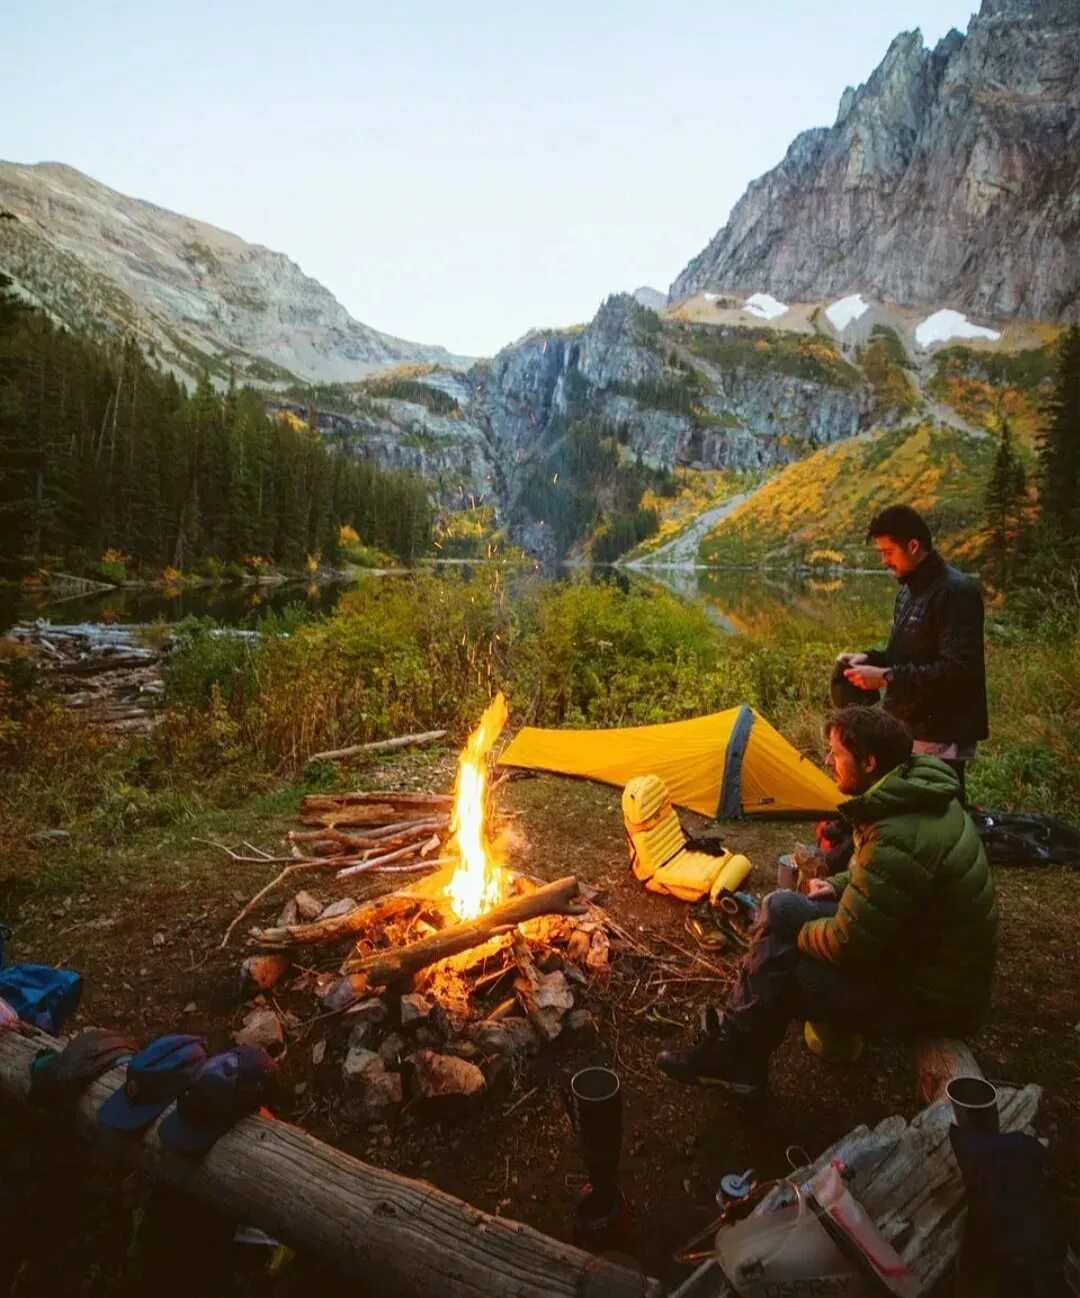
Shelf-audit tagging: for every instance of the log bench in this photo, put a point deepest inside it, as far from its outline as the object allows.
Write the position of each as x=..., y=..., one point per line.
x=938, y=1060
x=401, y=1237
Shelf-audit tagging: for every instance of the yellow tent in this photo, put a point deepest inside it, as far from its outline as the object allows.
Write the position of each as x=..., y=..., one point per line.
x=729, y=764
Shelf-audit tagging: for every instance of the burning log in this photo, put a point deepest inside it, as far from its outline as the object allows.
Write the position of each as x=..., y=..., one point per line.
x=378, y=746
x=387, y=967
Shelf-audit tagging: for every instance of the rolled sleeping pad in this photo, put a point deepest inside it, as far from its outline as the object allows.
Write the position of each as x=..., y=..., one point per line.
x=731, y=878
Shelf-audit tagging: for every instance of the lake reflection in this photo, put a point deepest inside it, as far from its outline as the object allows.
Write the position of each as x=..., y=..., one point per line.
x=753, y=603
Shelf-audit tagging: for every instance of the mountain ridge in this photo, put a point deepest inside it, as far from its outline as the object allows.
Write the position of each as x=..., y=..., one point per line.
x=203, y=298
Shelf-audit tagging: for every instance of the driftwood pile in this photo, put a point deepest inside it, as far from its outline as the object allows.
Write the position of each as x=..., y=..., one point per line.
x=423, y=1011
x=100, y=670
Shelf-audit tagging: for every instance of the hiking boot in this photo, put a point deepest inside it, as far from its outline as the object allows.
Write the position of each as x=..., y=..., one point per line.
x=716, y=1060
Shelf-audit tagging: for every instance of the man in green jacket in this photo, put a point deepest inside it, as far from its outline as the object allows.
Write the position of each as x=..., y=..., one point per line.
x=902, y=944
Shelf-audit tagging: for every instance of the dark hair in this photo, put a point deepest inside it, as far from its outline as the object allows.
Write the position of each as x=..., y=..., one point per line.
x=871, y=732
x=901, y=523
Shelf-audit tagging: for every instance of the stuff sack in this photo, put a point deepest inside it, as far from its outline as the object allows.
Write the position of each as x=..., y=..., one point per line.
x=1013, y=1241
x=41, y=995
x=1024, y=838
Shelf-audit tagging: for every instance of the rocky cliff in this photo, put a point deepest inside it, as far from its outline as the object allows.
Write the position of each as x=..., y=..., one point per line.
x=669, y=394
x=203, y=299
x=950, y=178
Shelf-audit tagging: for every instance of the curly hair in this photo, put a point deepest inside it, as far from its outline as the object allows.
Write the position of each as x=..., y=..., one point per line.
x=871, y=732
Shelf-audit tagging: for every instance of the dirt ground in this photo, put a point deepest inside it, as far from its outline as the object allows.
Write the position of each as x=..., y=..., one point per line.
x=516, y=1154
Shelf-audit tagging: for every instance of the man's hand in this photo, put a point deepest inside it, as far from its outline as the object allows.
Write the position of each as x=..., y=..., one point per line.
x=866, y=678
x=851, y=660
x=821, y=890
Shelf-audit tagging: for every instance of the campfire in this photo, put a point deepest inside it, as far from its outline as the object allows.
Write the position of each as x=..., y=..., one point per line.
x=431, y=988
x=479, y=881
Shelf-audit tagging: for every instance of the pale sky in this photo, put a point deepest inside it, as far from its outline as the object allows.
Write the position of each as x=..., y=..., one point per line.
x=453, y=173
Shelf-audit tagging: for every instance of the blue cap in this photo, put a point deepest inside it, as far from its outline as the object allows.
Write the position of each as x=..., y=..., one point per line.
x=230, y=1086
x=155, y=1077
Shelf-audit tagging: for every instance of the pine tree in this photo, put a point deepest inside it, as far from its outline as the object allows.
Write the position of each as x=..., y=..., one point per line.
x=1059, y=449
x=1005, y=494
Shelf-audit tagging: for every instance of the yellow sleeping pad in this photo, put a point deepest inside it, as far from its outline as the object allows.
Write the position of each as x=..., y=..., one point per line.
x=659, y=856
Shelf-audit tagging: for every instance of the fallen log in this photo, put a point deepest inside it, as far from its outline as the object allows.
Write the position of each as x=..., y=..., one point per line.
x=378, y=746
x=384, y=858
x=390, y=835
x=360, y=798
x=388, y=967
x=400, y=1238
x=340, y=926
x=375, y=813
x=107, y=663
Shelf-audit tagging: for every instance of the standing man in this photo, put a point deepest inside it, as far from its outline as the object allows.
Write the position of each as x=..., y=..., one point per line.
x=933, y=670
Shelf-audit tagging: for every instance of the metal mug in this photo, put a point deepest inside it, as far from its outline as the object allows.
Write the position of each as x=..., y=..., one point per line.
x=787, y=873
x=974, y=1102
x=594, y=1101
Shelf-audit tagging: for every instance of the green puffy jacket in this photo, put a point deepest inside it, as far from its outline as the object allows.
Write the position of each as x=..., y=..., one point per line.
x=918, y=903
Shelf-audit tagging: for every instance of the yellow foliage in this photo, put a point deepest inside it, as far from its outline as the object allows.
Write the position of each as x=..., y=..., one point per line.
x=347, y=534
x=823, y=557
x=115, y=556
x=293, y=421
x=172, y=576
x=311, y=563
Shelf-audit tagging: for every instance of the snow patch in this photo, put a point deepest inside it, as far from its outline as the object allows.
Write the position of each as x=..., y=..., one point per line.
x=711, y=297
x=943, y=325
x=846, y=310
x=765, y=306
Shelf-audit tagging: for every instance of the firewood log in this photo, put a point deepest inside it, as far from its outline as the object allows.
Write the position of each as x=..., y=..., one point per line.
x=388, y=967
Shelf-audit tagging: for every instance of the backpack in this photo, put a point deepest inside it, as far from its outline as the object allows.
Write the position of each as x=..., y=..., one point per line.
x=41, y=995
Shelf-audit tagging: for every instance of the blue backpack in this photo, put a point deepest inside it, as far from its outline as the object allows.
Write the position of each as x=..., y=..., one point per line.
x=41, y=995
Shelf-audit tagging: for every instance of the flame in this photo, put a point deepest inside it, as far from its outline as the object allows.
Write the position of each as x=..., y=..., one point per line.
x=479, y=881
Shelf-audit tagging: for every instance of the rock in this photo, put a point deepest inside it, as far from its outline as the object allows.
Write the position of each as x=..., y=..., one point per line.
x=158, y=939
x=262, y=1027
x=259, y=973
x=318, y=1052
x=576, y=1020
x=289, y=915
x=337, y=908
x=463, y=1049
x=599, y=951
x=380, y=1095
x=189, y=1008
x=308, y=907
x=362, y=1033
x=342, y=991
x=553, y=993
x=443, y=1076
x=414, y=1009
x=510, y=1036
x=51, y=836
x=358, y=1062
x=391, y=1048
x=372, y=1009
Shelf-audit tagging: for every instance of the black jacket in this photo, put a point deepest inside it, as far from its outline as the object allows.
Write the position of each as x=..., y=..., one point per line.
x=936, y=654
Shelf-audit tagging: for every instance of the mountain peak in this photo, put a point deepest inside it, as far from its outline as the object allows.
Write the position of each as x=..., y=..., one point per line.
x=948, y=178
